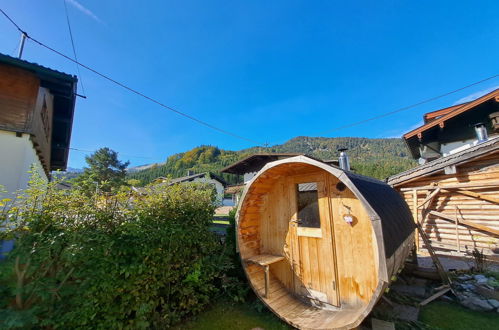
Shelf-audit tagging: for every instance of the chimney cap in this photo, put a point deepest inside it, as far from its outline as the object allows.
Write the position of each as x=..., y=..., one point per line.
x=342, y=149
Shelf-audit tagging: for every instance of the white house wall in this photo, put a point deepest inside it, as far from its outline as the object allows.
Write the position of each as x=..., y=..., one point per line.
x=453, y=147
x=248, y=176
x=218, y=187
x=17, y=155
x=457, y=146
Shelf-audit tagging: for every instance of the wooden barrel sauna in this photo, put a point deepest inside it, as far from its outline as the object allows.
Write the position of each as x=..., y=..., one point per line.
x=319, y=245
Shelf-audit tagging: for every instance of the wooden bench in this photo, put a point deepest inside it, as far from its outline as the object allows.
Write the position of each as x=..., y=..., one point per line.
x=265, y=260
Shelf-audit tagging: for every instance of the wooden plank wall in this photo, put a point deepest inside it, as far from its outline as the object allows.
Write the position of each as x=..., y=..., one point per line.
x=275, y=216
x=27, y=108
x=477, y=176
x=316, y=254
x=41, y=125
x=357, y=273
x=18, y=93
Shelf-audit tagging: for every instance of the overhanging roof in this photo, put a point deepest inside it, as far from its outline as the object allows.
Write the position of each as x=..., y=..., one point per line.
x=429, y=116
x=448, y=113
x=63, y=87
x=199, y=175
x=254, y=163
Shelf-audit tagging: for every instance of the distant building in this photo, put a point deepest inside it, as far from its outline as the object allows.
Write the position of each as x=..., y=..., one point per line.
x=206, y=177
x=454, y=193
x=248, y=167
x=36, y=116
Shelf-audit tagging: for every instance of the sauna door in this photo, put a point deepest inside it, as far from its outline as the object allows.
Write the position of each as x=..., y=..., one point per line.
x=312, y=241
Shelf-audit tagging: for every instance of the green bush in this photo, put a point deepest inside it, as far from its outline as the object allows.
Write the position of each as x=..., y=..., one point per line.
x=235, y=284
x=121, y=261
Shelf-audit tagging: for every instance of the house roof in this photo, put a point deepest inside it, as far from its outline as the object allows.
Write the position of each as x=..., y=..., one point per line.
x=439, y=164
x=63, y=87
x=430, y=116
x=234, y=189
x=441, y=116
x=255, y=162
x=452, y=124
x=188, y=178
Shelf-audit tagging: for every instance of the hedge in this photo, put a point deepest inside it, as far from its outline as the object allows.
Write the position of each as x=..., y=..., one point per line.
x=121, y=261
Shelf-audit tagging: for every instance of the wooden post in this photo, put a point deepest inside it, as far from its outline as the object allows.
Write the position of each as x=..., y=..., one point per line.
x=438, y=265
x=477, y=195
x=458, y=245
x=465, y=223
x=415, y=215
x=267, y=281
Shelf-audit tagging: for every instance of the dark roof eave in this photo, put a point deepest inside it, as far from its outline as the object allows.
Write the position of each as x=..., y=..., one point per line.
x=462, y=108
x=198, y=175
x=232, y=169
x=40, y=70
x=439, y=164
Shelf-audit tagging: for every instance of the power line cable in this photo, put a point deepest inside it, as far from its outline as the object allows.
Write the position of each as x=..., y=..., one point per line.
x=122, y=154
x=73, y=45
x=199, y=121
x=431, y=99
x=233, y=134
x=14, y=23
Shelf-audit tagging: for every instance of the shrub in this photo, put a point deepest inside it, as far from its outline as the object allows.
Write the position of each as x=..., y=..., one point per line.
x=234, y=282
x=122, y=261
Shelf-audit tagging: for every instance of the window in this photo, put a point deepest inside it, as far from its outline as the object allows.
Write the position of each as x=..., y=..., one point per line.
x=308, y=205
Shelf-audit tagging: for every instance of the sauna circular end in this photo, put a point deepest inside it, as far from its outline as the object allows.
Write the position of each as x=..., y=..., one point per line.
x=319, y=244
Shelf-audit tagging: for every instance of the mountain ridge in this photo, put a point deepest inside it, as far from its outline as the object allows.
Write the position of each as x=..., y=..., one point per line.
x=377, y=157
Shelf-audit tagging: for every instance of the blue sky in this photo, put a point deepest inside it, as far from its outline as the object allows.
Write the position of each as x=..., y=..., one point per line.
x=266, y=70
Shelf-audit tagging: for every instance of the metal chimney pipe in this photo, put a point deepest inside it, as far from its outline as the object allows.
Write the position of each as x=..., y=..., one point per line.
x=343, y=160
x=21, y=45
x=481, y=132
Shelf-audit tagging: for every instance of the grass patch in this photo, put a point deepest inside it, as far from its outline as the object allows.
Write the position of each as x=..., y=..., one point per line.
x=444, y=315
x=246, y=316
x=221, y=222
x=229, y=315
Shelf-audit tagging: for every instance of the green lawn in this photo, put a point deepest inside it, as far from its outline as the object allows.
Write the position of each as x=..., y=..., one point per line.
x=221, y=222
x=437, y=315
x=444, y=315
x=228, y=315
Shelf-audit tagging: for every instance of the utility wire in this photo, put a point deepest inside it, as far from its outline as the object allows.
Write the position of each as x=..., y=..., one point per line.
x=199, y=121
x=14, y=23
x=92, y=151
x=73, y=45
x=233, y=134
x=121, y=154
x=408, y=107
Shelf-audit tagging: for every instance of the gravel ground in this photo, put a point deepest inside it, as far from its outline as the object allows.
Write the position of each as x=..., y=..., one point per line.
x=450, y=263
x=223, y=210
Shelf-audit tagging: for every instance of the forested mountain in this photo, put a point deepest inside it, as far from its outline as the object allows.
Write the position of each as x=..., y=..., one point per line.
x=200, y=159
x=378, y=158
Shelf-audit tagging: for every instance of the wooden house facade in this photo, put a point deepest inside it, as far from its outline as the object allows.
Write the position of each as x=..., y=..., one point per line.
x=454, y=194
x=36, y=117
